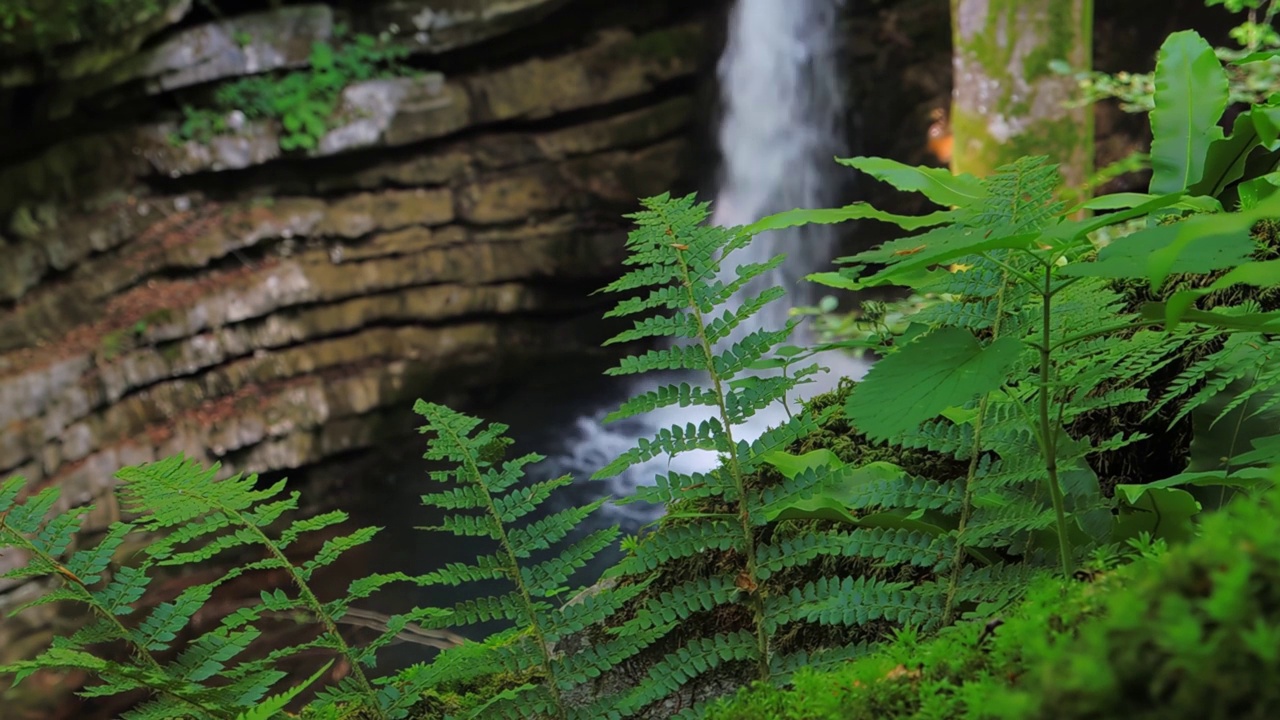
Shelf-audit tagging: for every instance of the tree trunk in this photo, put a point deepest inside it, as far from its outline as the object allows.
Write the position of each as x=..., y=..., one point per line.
x=1007, y=103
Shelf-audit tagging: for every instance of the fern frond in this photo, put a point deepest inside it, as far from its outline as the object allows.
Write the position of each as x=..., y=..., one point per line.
x=678, y=603
x=496, y=494
x=855, y=601
x=674, y=543
x=678, y=668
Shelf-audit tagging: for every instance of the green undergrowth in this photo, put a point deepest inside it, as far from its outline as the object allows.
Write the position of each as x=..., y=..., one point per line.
x=1192, y=632
x=304, y=102
x=41, y=25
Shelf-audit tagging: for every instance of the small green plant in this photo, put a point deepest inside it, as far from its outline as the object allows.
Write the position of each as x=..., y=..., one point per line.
x=1191, y=632
x=481, y=481
x=304, y=102
x=191, y=519
x=1254, y=75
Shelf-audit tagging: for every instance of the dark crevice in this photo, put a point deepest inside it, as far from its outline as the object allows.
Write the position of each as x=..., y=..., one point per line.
x=568, y=312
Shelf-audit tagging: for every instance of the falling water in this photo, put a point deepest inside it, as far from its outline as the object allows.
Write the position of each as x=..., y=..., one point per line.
x=781, y=89
x=781, y=125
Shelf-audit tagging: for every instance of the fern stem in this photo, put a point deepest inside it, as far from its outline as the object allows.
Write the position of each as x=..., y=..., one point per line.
x=1048, y=433
x=139, y=650
x=735, y=468
x=966, y=509
x=473, y=470
x=304, y=591
x=966, y=505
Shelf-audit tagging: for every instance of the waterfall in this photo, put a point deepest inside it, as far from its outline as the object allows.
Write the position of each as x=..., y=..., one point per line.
x=782, y=122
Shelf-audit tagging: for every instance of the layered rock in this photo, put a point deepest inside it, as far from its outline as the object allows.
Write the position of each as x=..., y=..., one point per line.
x=275, y=311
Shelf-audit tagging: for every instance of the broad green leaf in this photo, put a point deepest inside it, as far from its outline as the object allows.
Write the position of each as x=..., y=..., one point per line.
x=1258, y=189
x=1190, y=97
x=837, y=279
x=792, y=465
x=1214, y=239
x=1266, y=120
x=1224, y=160
x=946, y=368
x=1072, y=232
x=1199, y=244
x=908, y=257
x=1266, y=450
x=1127, y=200
x=1258, y=274
x=856, y=211
x=1162, y=512
x=1252, y=322
x=937, y=184
x=1244, y=478
x=1259, y=56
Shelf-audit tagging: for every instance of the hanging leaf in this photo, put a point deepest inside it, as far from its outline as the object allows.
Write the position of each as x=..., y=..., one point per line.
x=946, y=368
x=1215, y=241
x=1225, y=159
x=1258, y=189
x=1162, y=512
x=937, y=184
x=1190, y=97
x=831, y=216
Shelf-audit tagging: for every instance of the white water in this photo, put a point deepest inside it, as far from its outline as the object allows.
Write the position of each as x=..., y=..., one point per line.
x=781, y=127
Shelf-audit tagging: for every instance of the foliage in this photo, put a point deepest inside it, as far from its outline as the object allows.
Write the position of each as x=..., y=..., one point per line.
x=1253, y=78
x=482, y=482
x=1191, y=632
x=971, y=459
x=191, y=519
x=1031, y=329
x=787, y=580
x=40, y=25
x=304, y=102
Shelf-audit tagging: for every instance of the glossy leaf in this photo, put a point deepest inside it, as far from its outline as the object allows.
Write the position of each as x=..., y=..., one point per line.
x=937, y=184
x=1190, y=97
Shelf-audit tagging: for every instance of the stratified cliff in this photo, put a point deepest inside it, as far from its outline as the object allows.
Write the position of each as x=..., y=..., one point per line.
x=228, y=299
x=279, y=310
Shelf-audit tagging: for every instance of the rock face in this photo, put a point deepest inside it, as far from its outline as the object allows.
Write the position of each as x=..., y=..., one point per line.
x=273, y=310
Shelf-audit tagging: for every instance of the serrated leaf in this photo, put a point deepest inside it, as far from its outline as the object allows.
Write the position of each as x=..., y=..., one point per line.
x=948, y=367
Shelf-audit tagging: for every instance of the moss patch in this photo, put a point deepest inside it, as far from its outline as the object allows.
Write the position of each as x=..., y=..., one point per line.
x=1188, y=634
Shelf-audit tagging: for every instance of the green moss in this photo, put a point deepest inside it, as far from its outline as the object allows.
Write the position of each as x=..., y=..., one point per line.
x=1019, y=81
x=39, y=25
x=980, y=153
x=665, y=45
x=1192, y=633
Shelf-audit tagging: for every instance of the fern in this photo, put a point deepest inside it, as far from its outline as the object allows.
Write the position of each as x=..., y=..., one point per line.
x=679, y=281
x=190, y=519
x=487, y=488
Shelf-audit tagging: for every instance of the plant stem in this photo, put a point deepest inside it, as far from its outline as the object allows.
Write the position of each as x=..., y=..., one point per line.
x=473, y=470
x=140, y=651
x=1048, y=432
x=313, y=602
x=735, y=469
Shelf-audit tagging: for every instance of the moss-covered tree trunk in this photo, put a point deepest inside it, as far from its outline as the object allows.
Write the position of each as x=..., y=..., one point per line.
x=1007, y=102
